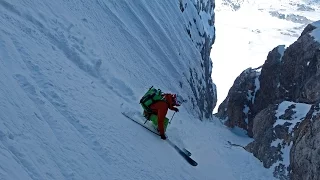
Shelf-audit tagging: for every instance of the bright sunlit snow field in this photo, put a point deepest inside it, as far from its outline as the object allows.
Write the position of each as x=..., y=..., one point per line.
x=68, y=69
x=244, y=37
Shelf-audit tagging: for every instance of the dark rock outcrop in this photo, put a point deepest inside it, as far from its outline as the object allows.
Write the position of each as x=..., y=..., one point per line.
x=273, y=130
x=299, y=66
x=292, y=75
x=269, y=80
x=236, y=109
x=264, y=135
x=305, y=152
x=286, y=136
x=288, y=74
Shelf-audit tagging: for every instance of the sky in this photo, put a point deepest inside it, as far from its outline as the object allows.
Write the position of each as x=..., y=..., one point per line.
x=244, y=38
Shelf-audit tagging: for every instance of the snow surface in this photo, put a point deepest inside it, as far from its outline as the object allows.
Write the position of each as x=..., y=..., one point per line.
x=276, y=142
x=245, y=37
x=68, y=69
x=316, y=24
x=205, y=17
x=300, y=112
x=285, y=154
x=316, y=32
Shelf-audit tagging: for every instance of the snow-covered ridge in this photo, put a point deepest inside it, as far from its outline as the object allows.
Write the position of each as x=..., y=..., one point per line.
x=201, y=32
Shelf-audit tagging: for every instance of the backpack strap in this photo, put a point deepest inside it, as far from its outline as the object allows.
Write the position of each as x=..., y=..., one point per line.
x=152, y=96
x=144, y=99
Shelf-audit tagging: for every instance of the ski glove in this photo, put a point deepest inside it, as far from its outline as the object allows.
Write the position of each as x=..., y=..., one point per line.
x=163, y=136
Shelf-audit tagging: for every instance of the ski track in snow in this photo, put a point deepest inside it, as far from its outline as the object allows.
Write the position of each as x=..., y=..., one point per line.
x=67, y=71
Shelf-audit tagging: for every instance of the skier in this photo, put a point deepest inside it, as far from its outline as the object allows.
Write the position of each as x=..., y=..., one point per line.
x=156, y=105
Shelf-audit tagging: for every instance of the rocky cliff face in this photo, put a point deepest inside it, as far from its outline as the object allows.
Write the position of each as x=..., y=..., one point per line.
x=278, y=107
x=305, y=152
x=201, y=31
x=273, y=132
x=237, y=107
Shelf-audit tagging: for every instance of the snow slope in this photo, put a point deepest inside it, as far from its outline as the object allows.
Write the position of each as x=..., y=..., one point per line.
x=248, y=29
x=67, y=70
x=316, y=33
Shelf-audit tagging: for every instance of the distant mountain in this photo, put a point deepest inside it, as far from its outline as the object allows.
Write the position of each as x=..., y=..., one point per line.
x=283, y=9
x=232, y=4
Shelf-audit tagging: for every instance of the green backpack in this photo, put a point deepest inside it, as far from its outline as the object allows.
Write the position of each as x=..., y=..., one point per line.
x=150, y=97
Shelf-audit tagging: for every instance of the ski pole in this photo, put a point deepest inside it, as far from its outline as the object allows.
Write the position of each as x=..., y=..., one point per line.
x=172, y=117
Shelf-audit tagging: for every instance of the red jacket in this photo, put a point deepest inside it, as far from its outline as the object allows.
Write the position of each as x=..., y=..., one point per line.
x=161, y=108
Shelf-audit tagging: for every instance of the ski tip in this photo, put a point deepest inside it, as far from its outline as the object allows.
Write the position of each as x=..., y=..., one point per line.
x=192, y=162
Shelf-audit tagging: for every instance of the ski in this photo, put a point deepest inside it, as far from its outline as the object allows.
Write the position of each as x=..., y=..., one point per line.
x=183, y=154
x=140, y=123
x=187, y=152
